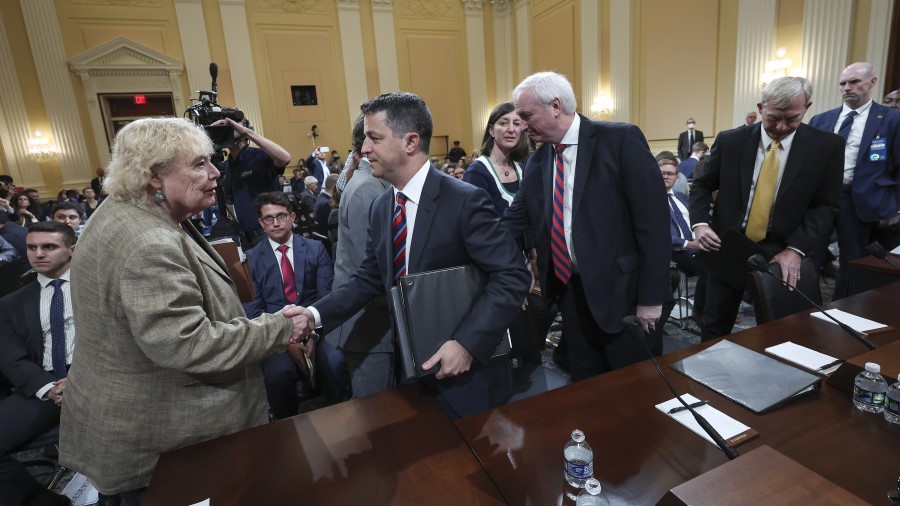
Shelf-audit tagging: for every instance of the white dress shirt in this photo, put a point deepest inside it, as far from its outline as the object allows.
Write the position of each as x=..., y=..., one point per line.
x=413, y=193
x=46, y=297
x=570, y=154
x=684, y=213
x=854, y=137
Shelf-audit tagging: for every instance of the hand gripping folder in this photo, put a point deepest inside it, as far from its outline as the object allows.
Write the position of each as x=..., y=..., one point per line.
x=429, y=307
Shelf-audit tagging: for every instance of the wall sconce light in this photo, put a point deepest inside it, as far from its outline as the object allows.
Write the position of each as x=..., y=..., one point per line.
x=39, y=147
x=779, y=67
x=602, y=105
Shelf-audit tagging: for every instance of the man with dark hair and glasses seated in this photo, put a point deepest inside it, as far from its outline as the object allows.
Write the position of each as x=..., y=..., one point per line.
x=290, y=269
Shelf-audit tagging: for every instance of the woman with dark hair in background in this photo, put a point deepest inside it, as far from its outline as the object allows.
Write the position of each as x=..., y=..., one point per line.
x=499, y=172
x=90, y=202
x=28, y=209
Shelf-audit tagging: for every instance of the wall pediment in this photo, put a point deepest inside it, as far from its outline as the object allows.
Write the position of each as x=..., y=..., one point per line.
x=122, y=54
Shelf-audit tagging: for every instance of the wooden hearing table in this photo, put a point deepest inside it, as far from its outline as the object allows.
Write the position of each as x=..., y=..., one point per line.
x=640, y=453
x=395, y=447
x=398, y=447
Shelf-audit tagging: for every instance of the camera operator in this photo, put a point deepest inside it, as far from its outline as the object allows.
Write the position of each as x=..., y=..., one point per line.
x=249, y=171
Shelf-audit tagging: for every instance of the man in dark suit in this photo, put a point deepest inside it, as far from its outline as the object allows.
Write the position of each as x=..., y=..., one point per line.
x=428, y=221
x=688, y=138
x=593, y=202
x=687, y=165
x=97, y=183
x=37, y=336
x=779, y=183
x=13, y=233
x=323, y=202
x=289, y=269
x=870, y=200
x=683, y=243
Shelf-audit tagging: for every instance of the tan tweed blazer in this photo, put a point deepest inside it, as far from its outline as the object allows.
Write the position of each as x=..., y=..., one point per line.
x=164, y=355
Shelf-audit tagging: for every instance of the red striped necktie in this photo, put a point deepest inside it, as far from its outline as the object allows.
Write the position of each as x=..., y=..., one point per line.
x=562, y=263
x=398, y=233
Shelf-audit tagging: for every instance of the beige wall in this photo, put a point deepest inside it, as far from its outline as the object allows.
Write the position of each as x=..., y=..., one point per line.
x=683, y=59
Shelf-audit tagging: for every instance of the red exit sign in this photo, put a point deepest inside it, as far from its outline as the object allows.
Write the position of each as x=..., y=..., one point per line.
x=140, y=99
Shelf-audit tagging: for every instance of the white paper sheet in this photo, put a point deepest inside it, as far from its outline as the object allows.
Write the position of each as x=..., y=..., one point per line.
x=805, y=357
x=726, y=426
x=856, y=323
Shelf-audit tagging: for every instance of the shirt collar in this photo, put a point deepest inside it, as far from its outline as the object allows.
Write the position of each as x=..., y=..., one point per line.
x=275, y=245
x=846, y=109
x=571, y=137
x=413, y=189
x=44, y=280
x=765, y=140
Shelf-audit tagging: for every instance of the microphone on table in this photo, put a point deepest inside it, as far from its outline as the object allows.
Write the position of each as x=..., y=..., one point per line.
x=877, y=250
x=634, y=325
x=758, y=263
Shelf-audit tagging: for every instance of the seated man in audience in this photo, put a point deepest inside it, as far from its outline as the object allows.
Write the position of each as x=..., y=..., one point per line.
x=686, y=167
x=289, y=269
x=37, y=336
x=69, y=213
x=683, y=244
x=323, y=203
x=308, y=196
x=14, y=234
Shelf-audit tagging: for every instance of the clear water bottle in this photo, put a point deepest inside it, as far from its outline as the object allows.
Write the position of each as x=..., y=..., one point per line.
x=892, y=404
x=869, y=389
x=591, y=495
x=579, y=460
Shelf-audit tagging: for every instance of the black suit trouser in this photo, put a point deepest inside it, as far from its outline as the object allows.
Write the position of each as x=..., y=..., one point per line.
x=590, y=350
x=21, y=420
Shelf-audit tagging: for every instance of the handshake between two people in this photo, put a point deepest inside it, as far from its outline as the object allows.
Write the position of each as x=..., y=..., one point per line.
x=453, y=357
x=303, y=324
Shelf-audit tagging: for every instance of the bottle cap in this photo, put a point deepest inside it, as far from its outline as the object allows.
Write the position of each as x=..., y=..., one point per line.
x=577, y=436
x=592, y=486
x=873, y=367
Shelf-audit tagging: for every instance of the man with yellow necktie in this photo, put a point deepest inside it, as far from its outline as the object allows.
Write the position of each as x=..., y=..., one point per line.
x=779, y=183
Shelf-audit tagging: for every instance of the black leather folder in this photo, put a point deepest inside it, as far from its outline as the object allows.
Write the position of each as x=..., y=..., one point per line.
x=730, y=262
x=753, y=380
x=429, y=307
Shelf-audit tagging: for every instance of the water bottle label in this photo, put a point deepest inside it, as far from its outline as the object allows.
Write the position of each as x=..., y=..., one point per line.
x=580, y=471
x=867, y=397
x=892, y=406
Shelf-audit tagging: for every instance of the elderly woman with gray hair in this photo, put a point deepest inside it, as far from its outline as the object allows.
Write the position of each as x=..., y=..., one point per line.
x=164, y=354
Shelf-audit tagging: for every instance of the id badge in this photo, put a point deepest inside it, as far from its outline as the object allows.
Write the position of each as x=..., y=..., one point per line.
x=878, y=150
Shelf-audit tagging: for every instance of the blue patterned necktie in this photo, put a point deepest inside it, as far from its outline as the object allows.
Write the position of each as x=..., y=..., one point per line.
x=398, y=235
x=58, y=329
x=686, y=233
x=846, y=125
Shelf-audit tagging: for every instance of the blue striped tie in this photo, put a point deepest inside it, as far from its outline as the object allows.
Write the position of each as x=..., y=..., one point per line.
x=398, y=234
x=562, y=263
x=846, y=125
x=58, y=329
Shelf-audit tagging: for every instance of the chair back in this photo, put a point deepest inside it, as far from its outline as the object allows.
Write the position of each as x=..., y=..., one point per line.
x=772, y=300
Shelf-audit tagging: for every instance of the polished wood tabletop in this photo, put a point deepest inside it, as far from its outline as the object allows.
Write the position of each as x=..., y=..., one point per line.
x=395, y=447
x=868, y=272
x=640, y=453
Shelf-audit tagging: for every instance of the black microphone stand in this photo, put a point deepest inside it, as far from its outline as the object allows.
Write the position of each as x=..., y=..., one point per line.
x=637, y=330
x=877, y=250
